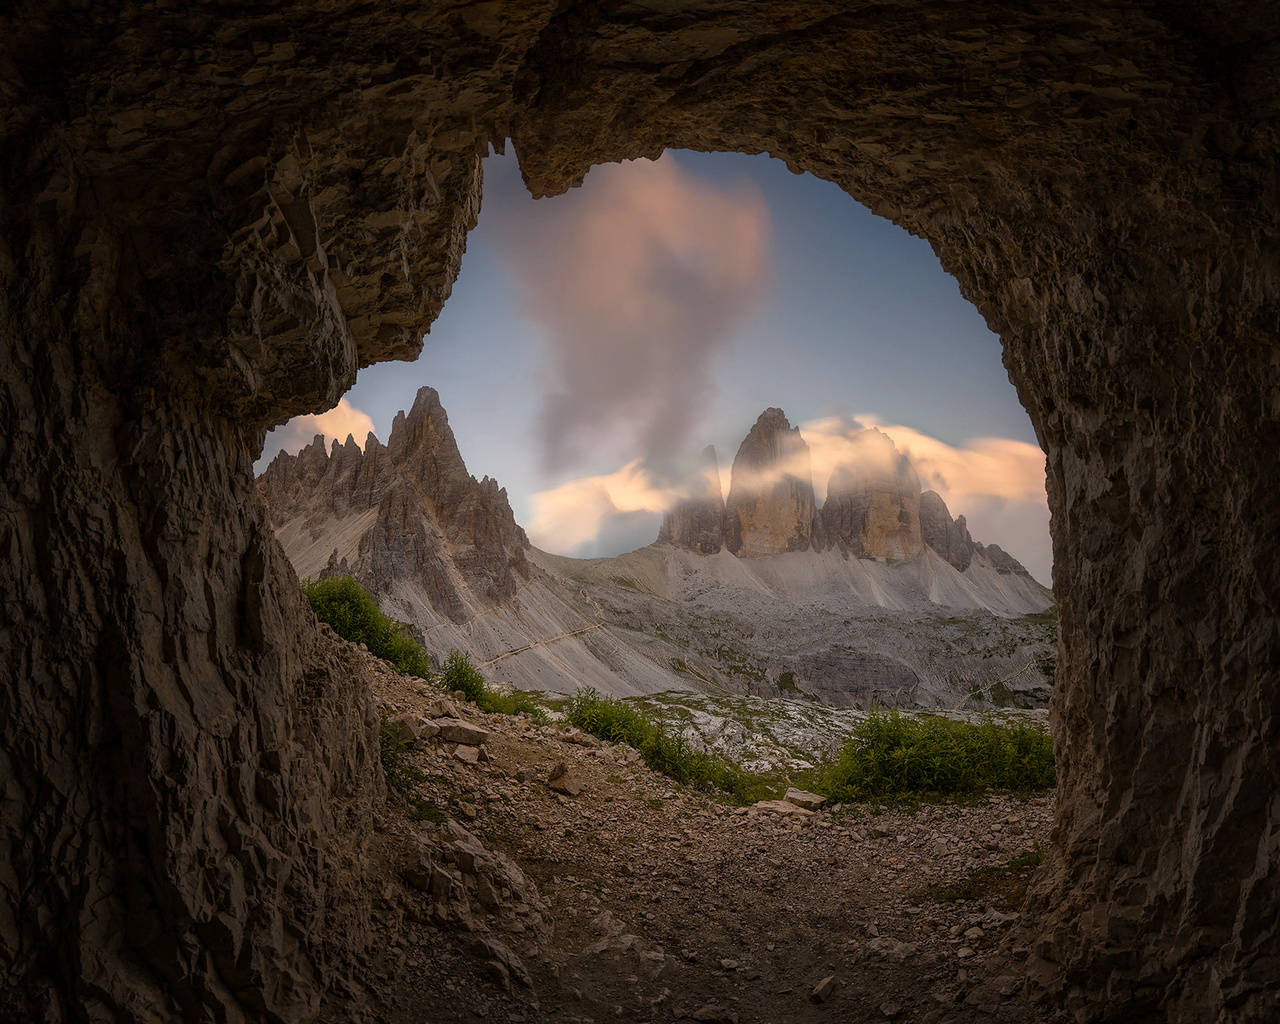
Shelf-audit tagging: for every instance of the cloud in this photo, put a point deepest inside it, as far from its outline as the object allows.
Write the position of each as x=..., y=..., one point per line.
x=996, y=483
x=592, y=515
x=336, y=424
x=638, y=279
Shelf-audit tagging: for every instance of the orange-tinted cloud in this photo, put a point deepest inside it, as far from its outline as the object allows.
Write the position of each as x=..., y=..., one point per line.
x=342, y=420
x=996, y=483
x=637, y=279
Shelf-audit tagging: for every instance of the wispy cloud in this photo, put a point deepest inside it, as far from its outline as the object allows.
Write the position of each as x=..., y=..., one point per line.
x=996, y=483
x=638, y=279
x=593, y=514
x=342, y=420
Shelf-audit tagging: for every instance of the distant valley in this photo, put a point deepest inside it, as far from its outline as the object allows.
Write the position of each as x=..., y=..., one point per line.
x=878, y=595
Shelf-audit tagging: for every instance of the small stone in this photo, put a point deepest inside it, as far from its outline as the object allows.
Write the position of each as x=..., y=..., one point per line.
x=467, y=810
x=964, y=952
x=973, y=934
x=729, y=965
x=822, y=991
x=891, y=1010
x=466, y=754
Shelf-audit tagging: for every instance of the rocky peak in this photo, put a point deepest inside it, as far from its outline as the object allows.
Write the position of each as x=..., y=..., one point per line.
x=435, y=524
x=771, y=508
x=873, y=502
x=948, y=537
x=698, y=521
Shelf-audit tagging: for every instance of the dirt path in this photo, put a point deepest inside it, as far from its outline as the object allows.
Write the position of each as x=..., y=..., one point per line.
x=655, y=903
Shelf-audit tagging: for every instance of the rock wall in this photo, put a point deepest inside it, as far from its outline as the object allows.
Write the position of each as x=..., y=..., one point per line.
x=212, y=219
x=873, y=504
x=949, y=537
x=697, y=522
x=771, y=509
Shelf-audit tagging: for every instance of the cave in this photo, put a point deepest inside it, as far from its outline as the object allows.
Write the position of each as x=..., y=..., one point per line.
x=214, y=215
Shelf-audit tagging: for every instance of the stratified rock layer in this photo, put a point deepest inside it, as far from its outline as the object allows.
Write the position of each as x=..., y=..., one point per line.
x=771, y=508
x=697, y=522
x=211, y=222
x=434, y=523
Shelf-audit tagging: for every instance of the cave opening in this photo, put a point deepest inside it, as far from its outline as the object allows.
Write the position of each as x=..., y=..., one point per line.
x=209, y=234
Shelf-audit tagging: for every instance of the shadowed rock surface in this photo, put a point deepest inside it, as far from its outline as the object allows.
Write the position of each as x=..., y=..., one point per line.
x=949, y=537
x=697, y=523
x=214, y=216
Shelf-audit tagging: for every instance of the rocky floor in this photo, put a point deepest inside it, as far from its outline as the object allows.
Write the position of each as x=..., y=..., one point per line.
x=625, y=897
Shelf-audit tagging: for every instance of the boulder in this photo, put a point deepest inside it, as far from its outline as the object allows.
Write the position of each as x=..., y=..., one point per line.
x=562, y=780
x=455, y=730
x=806, y=800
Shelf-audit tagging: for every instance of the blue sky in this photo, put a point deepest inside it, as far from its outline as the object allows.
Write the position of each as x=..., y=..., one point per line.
x=662, y=307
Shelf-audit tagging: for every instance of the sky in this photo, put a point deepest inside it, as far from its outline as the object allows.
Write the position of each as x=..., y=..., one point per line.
x=596, y=342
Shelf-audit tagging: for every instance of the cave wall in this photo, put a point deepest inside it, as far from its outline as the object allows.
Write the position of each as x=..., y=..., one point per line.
x=213, y=216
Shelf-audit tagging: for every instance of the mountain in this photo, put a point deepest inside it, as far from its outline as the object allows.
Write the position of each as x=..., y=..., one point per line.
x=407, y=511
x=697, y=523
x=771, y=509
x=877, y=595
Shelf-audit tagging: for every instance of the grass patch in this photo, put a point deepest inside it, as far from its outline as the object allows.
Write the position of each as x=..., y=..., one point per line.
x=1002, y=886
x=355, y=616
x=890, y=756
x=618, y=722
x=460, y=675
x=401, y=774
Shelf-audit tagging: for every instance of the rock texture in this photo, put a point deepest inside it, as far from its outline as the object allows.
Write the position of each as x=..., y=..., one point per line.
x=873, y=504
x=697, y=522
x=948, y=537
x=211, y=220
x=409, y=510
x=771, y=508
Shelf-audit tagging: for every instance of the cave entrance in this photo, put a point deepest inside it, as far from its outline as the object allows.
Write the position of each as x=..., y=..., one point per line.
x=211, y=230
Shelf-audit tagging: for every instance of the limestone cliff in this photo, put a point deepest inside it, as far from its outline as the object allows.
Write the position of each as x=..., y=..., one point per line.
x=873, y=503
x=409, y=510
x=697, y=522
x=948, y=537
x=771, y=508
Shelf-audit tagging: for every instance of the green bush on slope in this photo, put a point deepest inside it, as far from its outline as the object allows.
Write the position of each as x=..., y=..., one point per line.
x=355, y=616
x=618, y=722
x=892, y=755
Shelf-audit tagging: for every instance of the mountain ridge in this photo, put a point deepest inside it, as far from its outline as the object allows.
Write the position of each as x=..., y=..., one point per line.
x=829, y=602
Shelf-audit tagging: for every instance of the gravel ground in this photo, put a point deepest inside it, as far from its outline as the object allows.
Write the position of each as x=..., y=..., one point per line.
x=651, y=902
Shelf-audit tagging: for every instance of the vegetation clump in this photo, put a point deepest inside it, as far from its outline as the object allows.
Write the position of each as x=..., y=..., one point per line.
x=891, y=756
x=401, y=774
x=618, y=722
x=460, y=675
x=355, y=616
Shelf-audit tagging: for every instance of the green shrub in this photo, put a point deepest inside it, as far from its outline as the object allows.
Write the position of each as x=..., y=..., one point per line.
x=618, y=722
x=892, y=756
x=355, y=616
x=401, y=774
x=460, y=674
